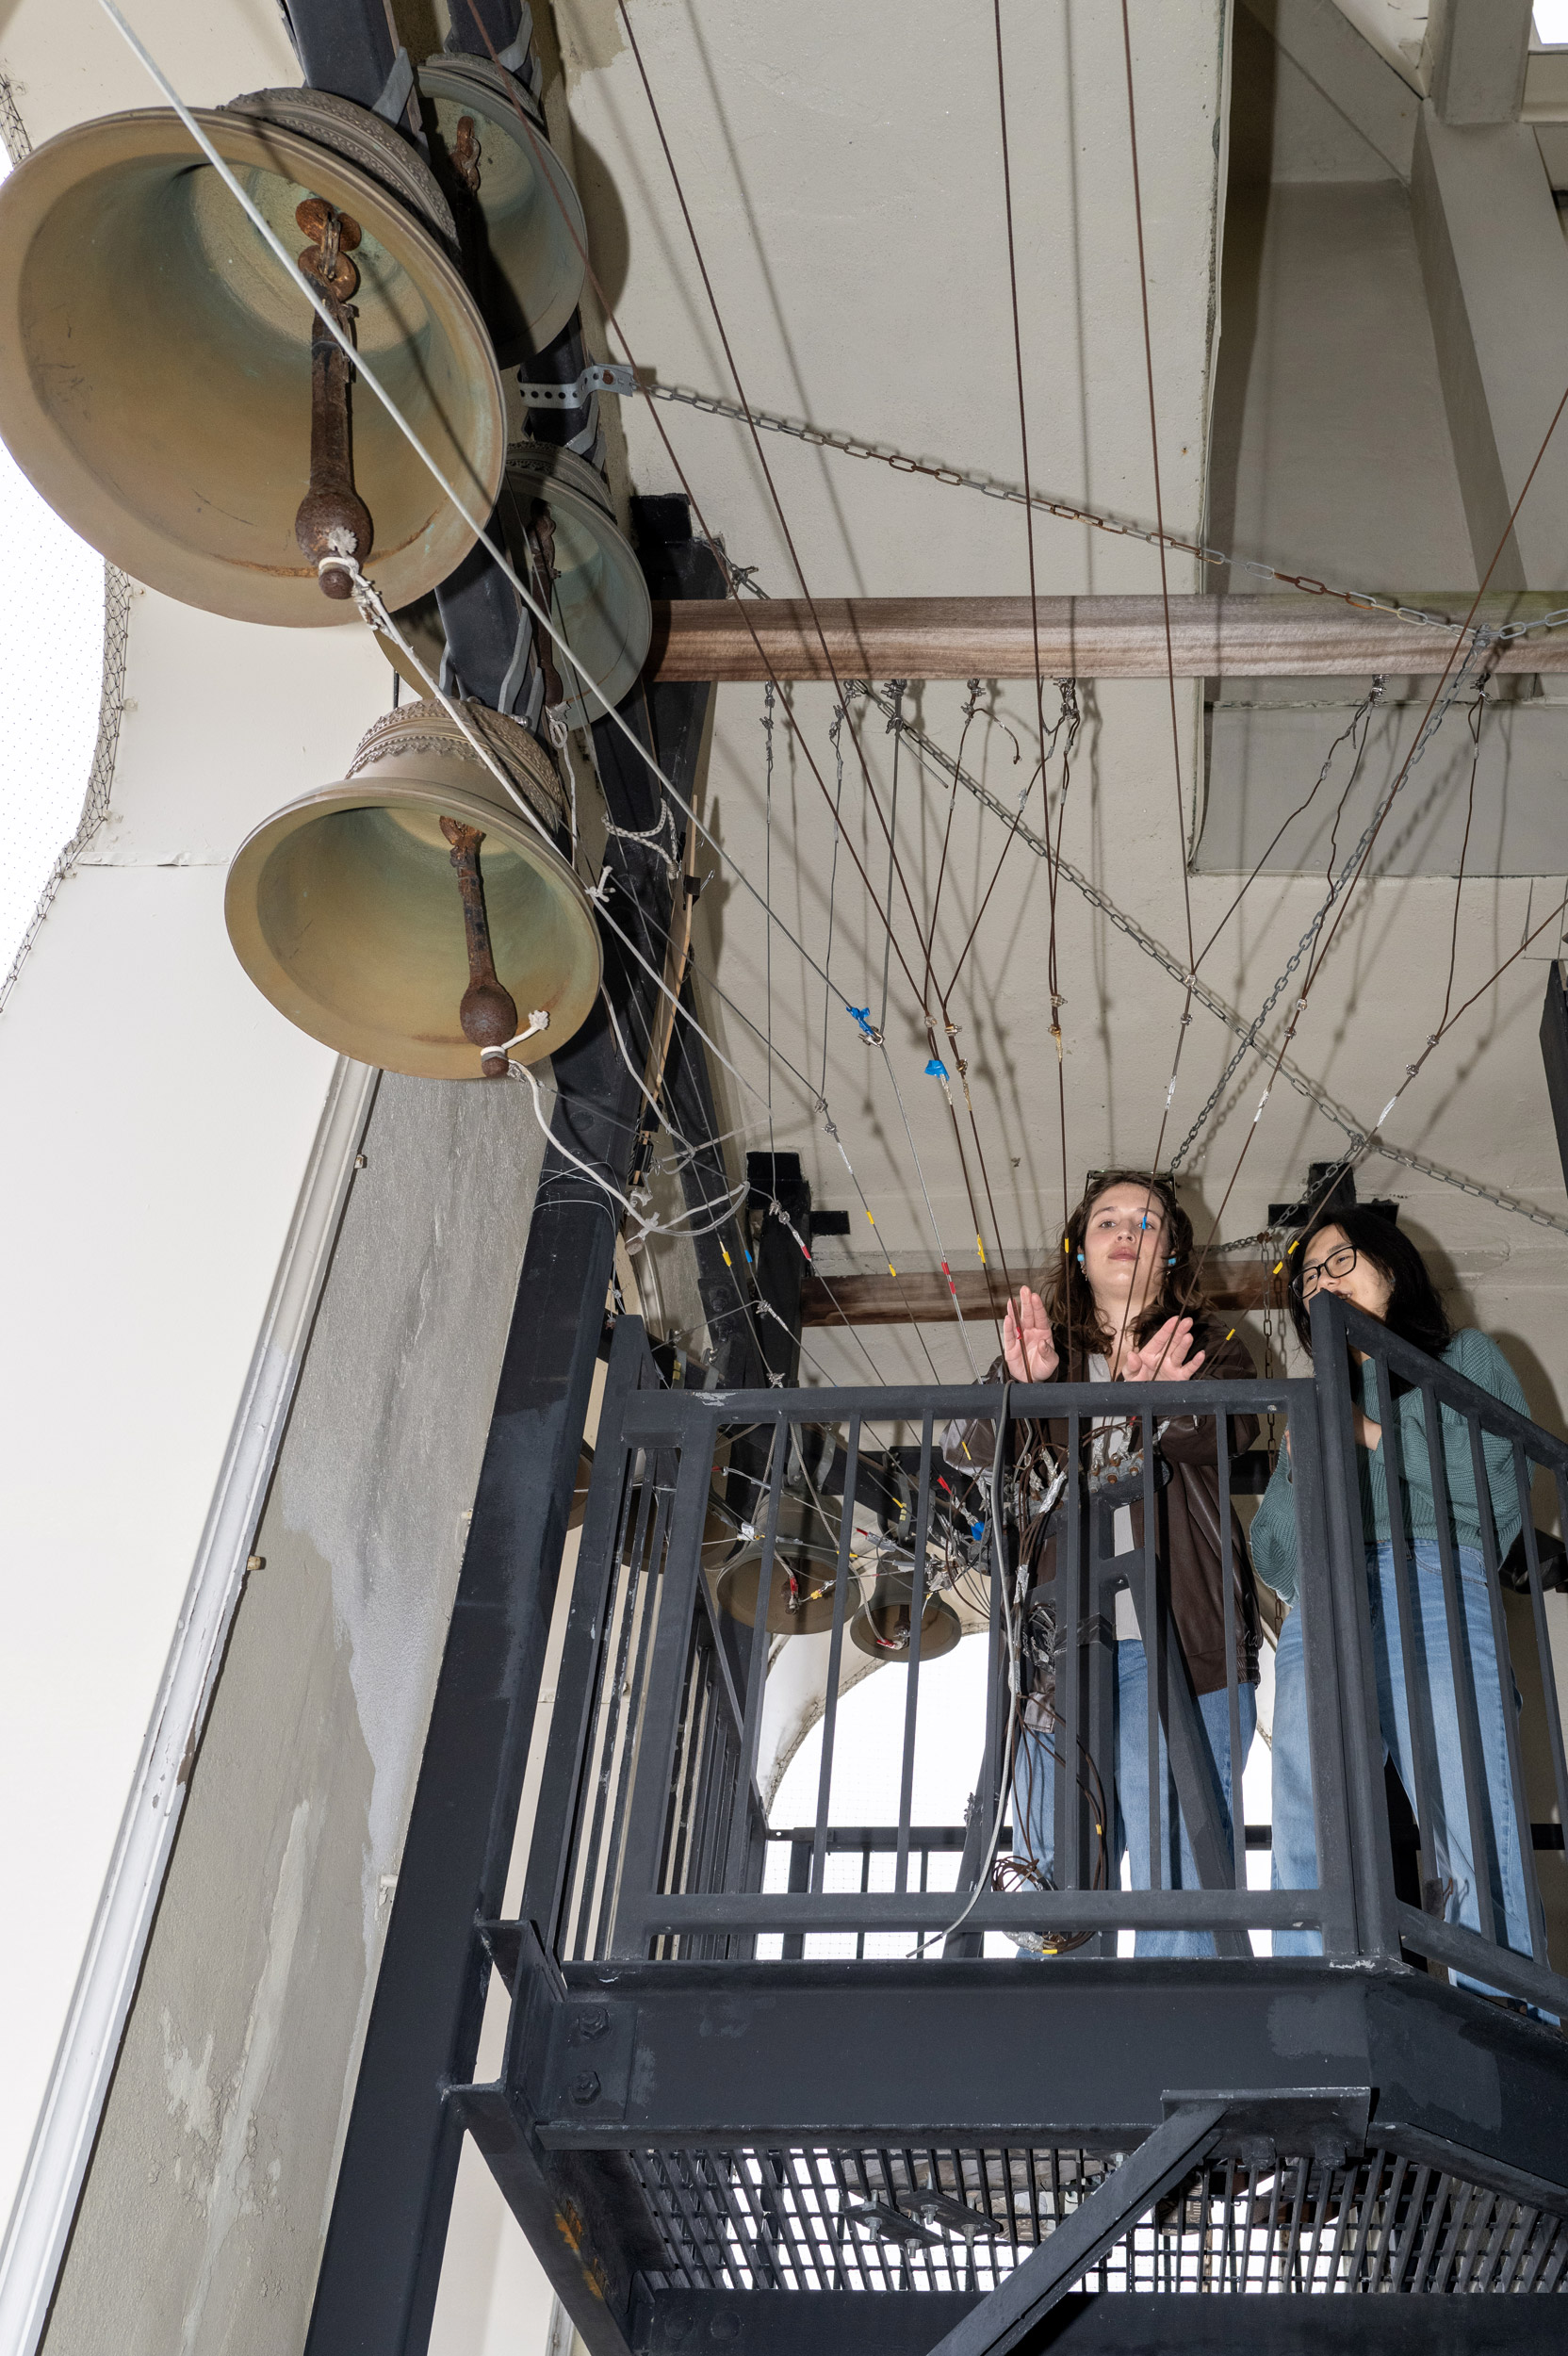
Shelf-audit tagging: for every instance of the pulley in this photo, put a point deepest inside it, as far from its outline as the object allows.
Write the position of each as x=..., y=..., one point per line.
x=178, y=402
x=883, y=1624
x=518, y=212
x=561, y=527
x=411, y=915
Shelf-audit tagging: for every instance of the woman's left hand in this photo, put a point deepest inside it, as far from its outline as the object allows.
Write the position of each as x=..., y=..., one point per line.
x=1163, y=1357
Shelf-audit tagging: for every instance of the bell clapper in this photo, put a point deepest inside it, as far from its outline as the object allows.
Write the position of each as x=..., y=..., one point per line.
x=465, y=155
x=488, y=1013
x=332, y=520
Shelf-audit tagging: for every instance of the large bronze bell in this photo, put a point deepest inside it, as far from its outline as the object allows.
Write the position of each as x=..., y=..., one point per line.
x=883, y=1624
x=353, y=908
x=559, y=524
x=800, y=1598
x=528, y=237
x=156, y=362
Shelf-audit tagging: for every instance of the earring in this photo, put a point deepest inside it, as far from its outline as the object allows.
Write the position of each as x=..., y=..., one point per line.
x=1080, y=1259
x=1171, y=1262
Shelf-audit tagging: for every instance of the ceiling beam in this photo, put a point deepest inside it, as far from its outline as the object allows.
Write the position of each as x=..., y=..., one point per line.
x=922, y=1297
x=1475, y=55
x=1288, y=636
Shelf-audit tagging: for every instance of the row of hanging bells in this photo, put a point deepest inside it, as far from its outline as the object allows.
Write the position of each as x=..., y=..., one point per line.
x=173, y=397
x=804, y=1579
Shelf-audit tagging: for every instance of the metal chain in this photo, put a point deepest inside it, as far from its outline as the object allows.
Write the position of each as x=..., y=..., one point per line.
x=1206, y=997
x=971, y=479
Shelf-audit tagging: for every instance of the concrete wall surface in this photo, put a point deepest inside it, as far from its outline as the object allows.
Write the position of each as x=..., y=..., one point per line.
x=202, y=2222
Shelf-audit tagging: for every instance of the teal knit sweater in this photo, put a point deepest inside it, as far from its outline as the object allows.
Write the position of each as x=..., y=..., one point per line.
x=1477, y=1356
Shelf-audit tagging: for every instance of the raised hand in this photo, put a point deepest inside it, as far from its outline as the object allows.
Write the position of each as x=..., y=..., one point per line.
x=1163, y=1357
x=1027, y=1343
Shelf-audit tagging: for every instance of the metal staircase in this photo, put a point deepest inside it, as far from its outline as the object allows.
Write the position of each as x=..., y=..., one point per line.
x=760, y=2092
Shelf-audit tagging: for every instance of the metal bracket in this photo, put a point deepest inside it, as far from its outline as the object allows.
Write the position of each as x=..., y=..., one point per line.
x=601, y=376
x=1327, y=2122
x=588, y=2070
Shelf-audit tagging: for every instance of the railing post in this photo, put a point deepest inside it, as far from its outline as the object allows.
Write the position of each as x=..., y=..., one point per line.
x=655, y=1734
x=1374, y=1926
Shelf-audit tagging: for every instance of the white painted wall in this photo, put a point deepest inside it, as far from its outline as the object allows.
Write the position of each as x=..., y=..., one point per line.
x=159, y=1115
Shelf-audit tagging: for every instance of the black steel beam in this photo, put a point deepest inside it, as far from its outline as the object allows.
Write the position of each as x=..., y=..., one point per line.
x=1554, y=1054
x=345, y=46
x=1113, y=2323
x=376, y=2291
x=1076, y=2050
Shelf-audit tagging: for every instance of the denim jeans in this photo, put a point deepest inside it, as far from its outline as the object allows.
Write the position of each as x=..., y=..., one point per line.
x=1034, y=1793
x=1445, y=1842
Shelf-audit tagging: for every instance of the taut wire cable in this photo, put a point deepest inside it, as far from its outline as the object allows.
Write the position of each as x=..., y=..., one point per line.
x=1052, y=975
x=1311, y=1090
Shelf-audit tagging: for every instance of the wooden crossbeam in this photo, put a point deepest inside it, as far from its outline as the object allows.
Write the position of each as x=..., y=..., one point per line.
x=922, y=1297
x=1288, y=636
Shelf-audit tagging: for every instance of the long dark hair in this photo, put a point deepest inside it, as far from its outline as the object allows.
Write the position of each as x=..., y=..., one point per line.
x=1068, y=1297
x=1414, y=1311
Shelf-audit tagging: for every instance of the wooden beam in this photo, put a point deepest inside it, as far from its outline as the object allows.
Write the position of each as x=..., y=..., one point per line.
x=922, y=1298
x=1289, y=636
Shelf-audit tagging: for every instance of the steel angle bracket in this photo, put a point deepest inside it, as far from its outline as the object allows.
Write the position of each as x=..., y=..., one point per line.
x=601, y=376
x=1326, y=2123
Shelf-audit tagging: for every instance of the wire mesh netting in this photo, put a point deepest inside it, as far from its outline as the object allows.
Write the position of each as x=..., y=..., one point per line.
x=63, y=631
x=897, y=2220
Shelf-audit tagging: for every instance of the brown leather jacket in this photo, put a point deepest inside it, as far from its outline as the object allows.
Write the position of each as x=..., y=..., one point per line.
x=1187, y=1544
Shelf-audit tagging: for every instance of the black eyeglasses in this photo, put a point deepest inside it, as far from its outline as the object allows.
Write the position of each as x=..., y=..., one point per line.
x=1339, y=1262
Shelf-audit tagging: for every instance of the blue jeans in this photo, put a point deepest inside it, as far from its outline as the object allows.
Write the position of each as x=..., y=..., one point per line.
x=1445, y=1842
x=1034, y=1793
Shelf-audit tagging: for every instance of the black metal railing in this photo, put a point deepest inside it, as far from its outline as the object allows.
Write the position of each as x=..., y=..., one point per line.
x=1444, y=1681
x=653, y=1837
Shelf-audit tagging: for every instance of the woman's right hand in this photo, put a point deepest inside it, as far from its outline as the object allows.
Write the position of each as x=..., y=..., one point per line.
x=1028, y=1344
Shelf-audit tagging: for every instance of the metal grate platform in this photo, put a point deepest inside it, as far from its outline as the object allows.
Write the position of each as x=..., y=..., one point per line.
x=875, y=2221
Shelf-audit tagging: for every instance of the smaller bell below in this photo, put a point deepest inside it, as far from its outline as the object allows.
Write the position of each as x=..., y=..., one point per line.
x=800, y=1599
x=882, y=1625
x=350, y=912
x=560, y=524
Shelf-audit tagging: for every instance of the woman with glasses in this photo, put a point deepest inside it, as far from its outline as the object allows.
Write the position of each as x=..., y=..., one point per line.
x=1122, y=1307
x=1362, y=1258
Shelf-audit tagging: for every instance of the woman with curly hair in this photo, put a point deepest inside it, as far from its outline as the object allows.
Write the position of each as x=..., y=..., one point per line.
x=1122, y=1306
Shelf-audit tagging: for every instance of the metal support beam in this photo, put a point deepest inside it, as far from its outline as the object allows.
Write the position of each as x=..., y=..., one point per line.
x=1495, y=270
x=1088, y=2323
x=921, y=1296
x=688, y=568
x=1554, y=1053
x=382, y=2263
x=1144, y=2177
x=1288, y=636
x=1475, y=55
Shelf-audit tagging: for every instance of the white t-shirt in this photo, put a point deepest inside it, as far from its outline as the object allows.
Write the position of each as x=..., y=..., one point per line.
x=1109, y=1445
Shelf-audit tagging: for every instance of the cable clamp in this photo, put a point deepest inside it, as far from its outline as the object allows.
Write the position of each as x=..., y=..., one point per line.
x=869, y=1031
x=599, y=376
x=935, y=1069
